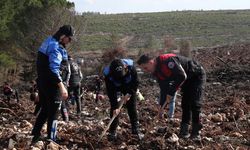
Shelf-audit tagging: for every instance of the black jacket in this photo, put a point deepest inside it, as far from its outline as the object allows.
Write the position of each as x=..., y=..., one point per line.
x=172, y=71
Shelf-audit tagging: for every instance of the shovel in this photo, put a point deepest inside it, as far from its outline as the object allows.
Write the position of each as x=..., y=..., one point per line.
x=124, y=99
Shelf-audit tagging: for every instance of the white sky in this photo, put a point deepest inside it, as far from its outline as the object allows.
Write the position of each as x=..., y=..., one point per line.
x=133, y=6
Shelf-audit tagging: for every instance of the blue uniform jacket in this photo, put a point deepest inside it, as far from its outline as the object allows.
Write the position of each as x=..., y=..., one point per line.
x=50, y=56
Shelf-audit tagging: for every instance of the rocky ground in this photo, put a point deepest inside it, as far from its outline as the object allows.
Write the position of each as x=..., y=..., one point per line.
x=225, y=117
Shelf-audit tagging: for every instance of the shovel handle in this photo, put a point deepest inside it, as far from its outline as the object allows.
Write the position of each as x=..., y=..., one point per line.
x=114, y=116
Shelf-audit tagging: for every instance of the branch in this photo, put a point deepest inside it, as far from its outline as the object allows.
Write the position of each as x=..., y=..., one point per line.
x=9, y=111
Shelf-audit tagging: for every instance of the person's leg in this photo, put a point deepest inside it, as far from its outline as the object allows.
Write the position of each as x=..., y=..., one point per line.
x=53, y=111
x=186, y=112
x=8, y=95
x=82, y=95
x=64, y=112
x=172, y=107
x=42, y=116
x=8, y=98
x=113, y=126
x=16, y=96
x=132, y=113
x=71, y=95
x=196, y=104
x=40, y=120
x=77, y=91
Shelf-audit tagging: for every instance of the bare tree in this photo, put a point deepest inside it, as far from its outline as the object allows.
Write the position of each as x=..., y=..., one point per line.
x=47, y=23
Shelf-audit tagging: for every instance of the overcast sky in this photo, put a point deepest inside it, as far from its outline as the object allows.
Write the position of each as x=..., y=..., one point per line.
x=132, y=6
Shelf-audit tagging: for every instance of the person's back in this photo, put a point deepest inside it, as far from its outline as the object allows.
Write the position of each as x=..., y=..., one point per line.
x=76, y=74
x=65, y=72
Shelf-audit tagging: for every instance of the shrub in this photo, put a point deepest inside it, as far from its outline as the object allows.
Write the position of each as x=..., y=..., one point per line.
x=6, y=61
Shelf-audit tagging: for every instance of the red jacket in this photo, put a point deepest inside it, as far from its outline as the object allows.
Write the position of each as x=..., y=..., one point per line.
x=172, y=71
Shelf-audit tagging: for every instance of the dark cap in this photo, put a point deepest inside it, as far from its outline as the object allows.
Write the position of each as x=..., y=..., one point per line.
x=67, y=30
x=117, y=69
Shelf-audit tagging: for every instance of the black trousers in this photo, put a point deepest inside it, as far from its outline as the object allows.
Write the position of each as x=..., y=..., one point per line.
x=76, y=89
x=192, y=92
x=49, y=96
x=8, y=95
x=132, y=113
x=64, y=111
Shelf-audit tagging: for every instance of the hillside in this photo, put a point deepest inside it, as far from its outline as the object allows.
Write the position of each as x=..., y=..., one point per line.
x=202, y=28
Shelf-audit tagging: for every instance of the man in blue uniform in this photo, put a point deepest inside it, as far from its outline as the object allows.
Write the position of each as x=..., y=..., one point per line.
x=49, y=82
x=121, y=78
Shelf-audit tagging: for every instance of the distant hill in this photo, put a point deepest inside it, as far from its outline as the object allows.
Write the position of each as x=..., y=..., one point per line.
x=202, y=28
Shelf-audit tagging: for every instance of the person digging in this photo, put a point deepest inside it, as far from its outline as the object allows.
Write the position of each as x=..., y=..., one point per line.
x=173, y=72
x=121, y=78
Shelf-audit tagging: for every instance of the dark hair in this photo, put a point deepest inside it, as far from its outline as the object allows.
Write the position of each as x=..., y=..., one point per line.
x=145, y=58
x=66, y=30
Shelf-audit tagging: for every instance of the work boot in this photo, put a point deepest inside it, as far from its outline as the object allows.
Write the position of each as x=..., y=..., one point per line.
x=136, y=132
x=35, y=139
x=195, y=134
x=184, y=131
x=112, y=136
x=135, y=126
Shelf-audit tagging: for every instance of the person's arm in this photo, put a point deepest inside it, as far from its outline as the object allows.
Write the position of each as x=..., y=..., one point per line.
x=55, y=60
x=162, y=106
x=80, y=73
x=164, y=97
x=163, y=92
x=63, y=91
x=55, y=54
x=135, y=79
x=175, y=78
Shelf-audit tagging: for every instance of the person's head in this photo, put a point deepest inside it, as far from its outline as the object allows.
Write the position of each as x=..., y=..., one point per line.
x=147, y=63
x=70, y=58
x=80, y=61
x=64, y=34
x=117, y=69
